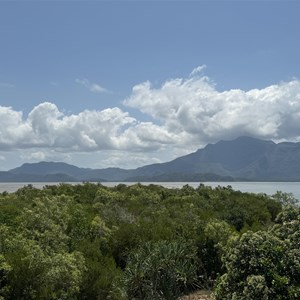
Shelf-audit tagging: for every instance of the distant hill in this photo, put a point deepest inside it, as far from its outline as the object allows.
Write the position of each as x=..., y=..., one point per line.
x=72, y=173
x=55, y=177
x=244, y=158
x=44, y=167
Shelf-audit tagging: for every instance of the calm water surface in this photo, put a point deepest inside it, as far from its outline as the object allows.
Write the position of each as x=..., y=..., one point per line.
x=269, y=188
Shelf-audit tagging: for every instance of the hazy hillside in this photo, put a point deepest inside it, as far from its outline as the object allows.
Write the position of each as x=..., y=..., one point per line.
x=244, y=158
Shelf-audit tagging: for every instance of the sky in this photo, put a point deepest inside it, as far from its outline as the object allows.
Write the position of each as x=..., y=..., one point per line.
x=128, y=83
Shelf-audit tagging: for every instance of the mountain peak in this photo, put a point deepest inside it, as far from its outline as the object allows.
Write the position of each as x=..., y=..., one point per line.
x=247, y=139
x=44, y=167
x=245, y=158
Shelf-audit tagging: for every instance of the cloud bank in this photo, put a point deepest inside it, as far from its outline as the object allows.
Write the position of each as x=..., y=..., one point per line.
x=186, y=114
x=47, y=127
x=196, y=112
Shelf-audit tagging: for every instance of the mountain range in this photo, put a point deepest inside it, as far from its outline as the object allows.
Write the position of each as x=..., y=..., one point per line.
x=242, y=159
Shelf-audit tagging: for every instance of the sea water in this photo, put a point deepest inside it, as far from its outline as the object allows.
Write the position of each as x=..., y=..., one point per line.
x=268, y=188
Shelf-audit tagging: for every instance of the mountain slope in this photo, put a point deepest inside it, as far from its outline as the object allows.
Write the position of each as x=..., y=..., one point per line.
x=55, y=177
x=44, y=167
x=244, y=158
x=80, y=174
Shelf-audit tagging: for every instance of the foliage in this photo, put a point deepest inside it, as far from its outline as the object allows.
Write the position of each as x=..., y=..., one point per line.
x=285, y=199
x=161, y=270
x=88, y=241
x=264, y=265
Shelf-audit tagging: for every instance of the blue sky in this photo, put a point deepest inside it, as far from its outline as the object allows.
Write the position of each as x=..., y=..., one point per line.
x=127, y=83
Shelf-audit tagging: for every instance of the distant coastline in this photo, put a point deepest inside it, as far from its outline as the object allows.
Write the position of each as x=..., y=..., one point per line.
x=268, y=188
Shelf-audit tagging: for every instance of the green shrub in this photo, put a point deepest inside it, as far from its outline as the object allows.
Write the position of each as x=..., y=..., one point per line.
x=161, y=270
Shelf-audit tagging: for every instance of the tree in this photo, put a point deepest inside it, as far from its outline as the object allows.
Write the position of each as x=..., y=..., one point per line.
x=5, y=269
x=264, y=265
x=161, y=270
x=285, y=199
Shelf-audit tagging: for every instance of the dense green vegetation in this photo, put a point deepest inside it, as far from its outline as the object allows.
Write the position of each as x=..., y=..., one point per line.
x=147, y=242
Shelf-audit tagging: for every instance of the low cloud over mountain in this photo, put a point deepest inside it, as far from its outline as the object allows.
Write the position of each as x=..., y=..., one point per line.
x=183, y=115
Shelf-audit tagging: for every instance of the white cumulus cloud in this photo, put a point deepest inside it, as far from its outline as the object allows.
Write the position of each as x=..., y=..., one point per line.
x=36, y=156
x=13, y=130
x=197, y=113
x=186, y=113
x=90, y=130
x=198, y=71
